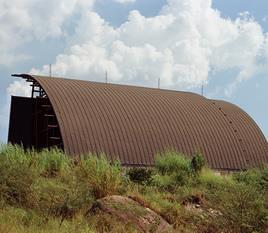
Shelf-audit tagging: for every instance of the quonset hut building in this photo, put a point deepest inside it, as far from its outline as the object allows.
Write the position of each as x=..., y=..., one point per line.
x=134, y=123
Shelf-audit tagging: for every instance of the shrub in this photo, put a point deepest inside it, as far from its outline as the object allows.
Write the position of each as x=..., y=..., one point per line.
x=140, y=175
x=16, y=175
x=172, y=162
x=197, y=163
x=99, y=176
x=174, y=170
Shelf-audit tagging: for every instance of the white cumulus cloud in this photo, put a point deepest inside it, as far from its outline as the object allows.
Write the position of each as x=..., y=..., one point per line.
x=22, y=21
x=125, y=1
x=19, y=88
x=181, y=45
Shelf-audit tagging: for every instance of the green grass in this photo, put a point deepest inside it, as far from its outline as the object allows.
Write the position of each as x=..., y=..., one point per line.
x=49, y=192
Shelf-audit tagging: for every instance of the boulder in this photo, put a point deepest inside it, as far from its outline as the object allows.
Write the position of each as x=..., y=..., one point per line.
x=131, y=212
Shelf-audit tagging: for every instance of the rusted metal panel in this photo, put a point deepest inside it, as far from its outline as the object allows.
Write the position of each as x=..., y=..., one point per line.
x=134, y=123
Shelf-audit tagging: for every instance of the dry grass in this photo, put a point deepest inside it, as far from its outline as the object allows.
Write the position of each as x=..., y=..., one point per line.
x=48, y=192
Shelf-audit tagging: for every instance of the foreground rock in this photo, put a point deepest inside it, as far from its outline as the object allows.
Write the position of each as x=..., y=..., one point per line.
x=128, y=211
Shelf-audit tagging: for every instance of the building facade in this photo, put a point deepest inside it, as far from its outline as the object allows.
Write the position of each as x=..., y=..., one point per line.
x=133, y=124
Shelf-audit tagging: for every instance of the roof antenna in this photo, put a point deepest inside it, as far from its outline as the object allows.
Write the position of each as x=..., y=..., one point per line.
x=202, y=90
x=159, y=83
x=50, y=70
x=106, y=77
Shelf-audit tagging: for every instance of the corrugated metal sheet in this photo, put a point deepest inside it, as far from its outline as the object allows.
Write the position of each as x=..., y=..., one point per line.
x=247, y=131
x=134, y=123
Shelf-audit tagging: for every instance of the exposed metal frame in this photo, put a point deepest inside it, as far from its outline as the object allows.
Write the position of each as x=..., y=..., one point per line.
x=46, y=128
x=36, y=88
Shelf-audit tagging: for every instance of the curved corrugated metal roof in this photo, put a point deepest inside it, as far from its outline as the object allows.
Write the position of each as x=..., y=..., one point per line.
x=134, y=123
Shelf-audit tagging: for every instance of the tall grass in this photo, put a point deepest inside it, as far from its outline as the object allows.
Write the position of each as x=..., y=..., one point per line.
x=49, y=192
x=242, y=208
x=16, y=175
x=211, y=180
x=254, y=177
x=173, y=170
x=52, y=163
x=99, y=176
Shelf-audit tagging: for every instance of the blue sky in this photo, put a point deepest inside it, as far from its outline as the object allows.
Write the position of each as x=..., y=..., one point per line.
x=222, y=44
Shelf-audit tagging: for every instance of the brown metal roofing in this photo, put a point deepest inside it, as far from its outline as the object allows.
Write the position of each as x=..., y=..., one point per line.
x=134, y=123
